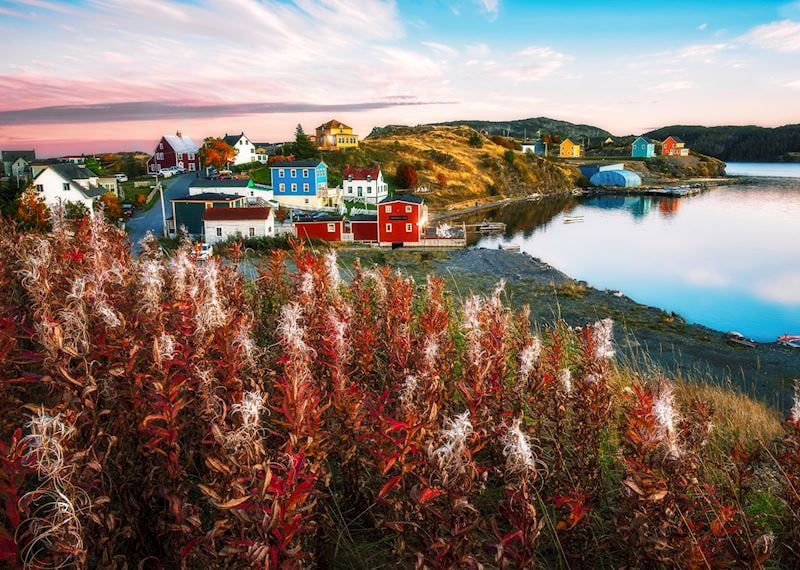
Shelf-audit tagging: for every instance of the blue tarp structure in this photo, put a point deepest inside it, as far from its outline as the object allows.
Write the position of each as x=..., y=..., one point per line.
x=623, y=178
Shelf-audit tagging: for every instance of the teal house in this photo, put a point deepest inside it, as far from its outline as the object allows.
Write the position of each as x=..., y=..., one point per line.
x=643, y=148
x=188, y=211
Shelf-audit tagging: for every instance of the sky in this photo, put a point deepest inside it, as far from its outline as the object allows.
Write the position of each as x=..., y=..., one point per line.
x=105, y=75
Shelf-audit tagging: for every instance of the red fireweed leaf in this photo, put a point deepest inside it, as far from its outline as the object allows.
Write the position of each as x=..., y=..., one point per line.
x=429, y=494
x=390, y=484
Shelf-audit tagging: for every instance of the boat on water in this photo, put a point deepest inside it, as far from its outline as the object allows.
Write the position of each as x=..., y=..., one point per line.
x=734, y=337
x=509, y=247
x=573, y=219
x=789, y=340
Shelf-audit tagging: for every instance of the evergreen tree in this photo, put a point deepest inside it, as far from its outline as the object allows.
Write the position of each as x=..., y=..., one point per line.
x=303, y=147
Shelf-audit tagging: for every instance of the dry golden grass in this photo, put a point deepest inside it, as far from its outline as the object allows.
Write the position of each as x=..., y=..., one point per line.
x=473, y=174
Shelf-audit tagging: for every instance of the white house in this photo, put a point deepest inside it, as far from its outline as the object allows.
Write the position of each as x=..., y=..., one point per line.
x=364, y=184
x=68, y=182
x=244, y=149
x=247, y=188
x=16, y=162
x=221, y=223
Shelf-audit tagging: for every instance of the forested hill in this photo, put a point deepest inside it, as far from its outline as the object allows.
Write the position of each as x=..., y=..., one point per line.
x=525, y=127
x=738, y=144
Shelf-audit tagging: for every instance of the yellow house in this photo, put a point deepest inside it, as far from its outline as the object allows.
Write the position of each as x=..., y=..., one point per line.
x=569, y=149
x=334, y=135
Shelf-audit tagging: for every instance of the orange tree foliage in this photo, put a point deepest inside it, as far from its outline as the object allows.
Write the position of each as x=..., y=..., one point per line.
x=32, y=212
x=441, y=178
x=111, y=206
x=157, y=413
x=406, y=176
x=216, y=153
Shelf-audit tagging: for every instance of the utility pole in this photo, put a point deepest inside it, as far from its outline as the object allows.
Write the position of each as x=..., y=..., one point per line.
x=163, y=211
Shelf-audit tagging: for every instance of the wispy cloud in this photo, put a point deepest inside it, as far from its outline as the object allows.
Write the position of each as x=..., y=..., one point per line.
x=442, y=49
x=784, y=289
x=668, y=86
x=491, y=7
x=783, y=36
x=702, y=52
x=160, y=110
x=702, y=27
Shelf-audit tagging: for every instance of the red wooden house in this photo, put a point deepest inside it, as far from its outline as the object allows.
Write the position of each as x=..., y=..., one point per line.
x=402, y=219
x=175, y=151
x=364, y=228
x=326, y=228
x=673, y=146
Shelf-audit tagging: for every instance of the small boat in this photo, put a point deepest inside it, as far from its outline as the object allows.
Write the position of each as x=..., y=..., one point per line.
x=573, y=219
x=618, y=294
x=509, y=247
x=738, y=338
x=789, y=340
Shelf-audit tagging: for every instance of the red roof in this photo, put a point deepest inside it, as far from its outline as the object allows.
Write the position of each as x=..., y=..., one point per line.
x=362, y=173
x=234, y=214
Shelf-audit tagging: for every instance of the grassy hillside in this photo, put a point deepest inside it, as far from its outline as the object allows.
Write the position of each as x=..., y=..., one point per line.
x=739, y=143
x=472, y=173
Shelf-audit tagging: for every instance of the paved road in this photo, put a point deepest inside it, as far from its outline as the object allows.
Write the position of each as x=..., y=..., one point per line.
x=145, y=220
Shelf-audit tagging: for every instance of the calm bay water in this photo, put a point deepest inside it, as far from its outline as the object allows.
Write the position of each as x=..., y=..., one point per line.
x=728, y=259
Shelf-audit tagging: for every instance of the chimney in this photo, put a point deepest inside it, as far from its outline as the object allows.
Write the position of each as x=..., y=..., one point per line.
x=178, y=134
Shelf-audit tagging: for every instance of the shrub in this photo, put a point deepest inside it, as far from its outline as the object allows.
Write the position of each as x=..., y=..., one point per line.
x=441, y=178
x=509, y=156
x=406, y=176
x=475, y=140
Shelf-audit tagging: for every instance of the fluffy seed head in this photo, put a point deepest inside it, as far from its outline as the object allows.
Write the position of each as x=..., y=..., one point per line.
x=151, y=279
x=565, y=381
x=529, y=356
x=332, y=269
x=667, y=417
x=451, y=456
x=517, y=449
x=603, y=336
x=794, y=413
x=290, y=328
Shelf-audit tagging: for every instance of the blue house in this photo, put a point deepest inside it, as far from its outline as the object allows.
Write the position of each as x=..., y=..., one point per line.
x=643, y=148
x=301, y=183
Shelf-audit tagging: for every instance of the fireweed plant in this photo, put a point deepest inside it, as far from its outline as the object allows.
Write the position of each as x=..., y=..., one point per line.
x=158, y=412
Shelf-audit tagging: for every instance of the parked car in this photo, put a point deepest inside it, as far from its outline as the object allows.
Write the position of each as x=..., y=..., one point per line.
x=127, y=209
x=166, y=172
x=179, y=169
x=206, y=250
x=121, y=177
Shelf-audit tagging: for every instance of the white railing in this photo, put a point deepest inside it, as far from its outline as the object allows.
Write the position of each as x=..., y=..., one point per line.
x=363, y=211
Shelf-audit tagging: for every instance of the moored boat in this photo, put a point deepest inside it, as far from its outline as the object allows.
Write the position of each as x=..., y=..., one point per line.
x=738, y=338
x=789, y=340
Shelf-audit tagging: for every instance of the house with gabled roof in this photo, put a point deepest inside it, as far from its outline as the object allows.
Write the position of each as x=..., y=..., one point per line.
x=402, y=219
x=175, y=151
x=243, y=148
x=219, y=224
x=303, y=184
x=16, y=162
x=569, y=149
x=673, y=146
x=364, y=184
x=643, y=148
x=335, y=135
x=65, y=182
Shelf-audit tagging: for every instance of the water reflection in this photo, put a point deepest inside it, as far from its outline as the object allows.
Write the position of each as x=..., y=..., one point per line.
x=727, y=258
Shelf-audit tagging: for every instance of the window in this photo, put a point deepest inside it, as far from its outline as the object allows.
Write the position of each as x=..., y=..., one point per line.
x=305, y=173
x=39, y=188
x=388, y=209
x=192, y=166
x=293, y=173
x=408, y=228
x=160, y=146
x=281, y=173
x=294, y=187
x=388, y=228
x=306, y=187
x=331, y=228
x=65, y=186
x=252, y=232
x=191, y=156
x=282, y=187
x=369, y=189
x=408, y=209
x=306, y=200
x=180, y=156
x=219, y=232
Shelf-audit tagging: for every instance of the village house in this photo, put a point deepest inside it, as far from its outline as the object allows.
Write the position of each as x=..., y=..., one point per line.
x=673, y=146
x=175, y=151
x=643, y=148
x=325, y=228
x=17, y=162
x=253, y=191
x=569, y=149
x=364, y=227
x=302, y=183
x=65, y=182
x=74, y=158
x=111, y=184
x=536, y=147
x=219, y=224
x=263, y=150
x=334, y=135
x=188, y=211
x=402, y=219
x=244, y=151
x=364, y=184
